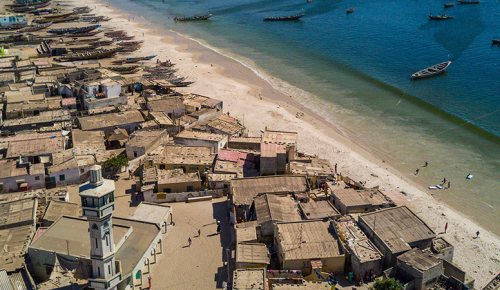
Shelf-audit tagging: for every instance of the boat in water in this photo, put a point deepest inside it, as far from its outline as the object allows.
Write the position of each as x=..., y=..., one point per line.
x=431, y=71
x=194, y=18
x=284, y=18
x=496, y=41
x=440, y=17
x=349, y=11
x=448, y=5
x=469, y=1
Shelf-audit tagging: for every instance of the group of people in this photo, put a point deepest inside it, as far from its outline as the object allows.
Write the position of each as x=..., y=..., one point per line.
x=190, y=241
x=444, y=183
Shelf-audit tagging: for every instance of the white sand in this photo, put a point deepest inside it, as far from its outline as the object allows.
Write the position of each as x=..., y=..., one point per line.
x=259, y=104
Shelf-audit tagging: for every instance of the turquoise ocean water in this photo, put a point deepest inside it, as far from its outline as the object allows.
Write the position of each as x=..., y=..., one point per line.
x=361, y=63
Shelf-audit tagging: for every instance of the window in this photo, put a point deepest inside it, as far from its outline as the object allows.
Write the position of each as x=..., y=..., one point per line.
x=190, y=188
x=135, y=154
x=98, y=272
x=168, y=190
x=37, y=177
x=107, y=240
x=62, y=177
x=162, y=166
x=109, y=269
x=96, y=244
x=82, y=170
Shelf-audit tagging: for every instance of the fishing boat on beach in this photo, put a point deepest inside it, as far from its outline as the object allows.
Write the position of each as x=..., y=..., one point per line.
x=448, y=5
x=440, y=17
x=193, y=18
x=469, y=1
x=431, y=71
x=74, y=30
x=284, y=18
x=125, y=69
x=36, y=27
x=134, y=59
x=91, y=54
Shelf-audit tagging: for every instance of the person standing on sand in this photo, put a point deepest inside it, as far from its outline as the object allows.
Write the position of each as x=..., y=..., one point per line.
x=444, y=181
x=449, y=184
x=417, y=171
x=477, y=235
x=426, y=164
x=199, y=232
x=189, y=242
x=445, y=227
x=335, y=168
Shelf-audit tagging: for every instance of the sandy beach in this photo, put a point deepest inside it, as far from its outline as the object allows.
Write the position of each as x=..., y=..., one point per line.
x=263, y=102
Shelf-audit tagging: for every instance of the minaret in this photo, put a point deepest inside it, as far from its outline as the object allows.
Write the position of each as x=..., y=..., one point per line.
x=98, y=203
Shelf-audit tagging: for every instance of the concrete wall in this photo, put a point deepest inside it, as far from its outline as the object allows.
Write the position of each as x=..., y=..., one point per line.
x=206, y=143
x=10, y=184
x=150, y=196
x=42, y=263
x=268, y=166
x=362, y=269
x=332, y=264
x=143, y=150
x=71, y=176
x=179, y=187
x=422, y=279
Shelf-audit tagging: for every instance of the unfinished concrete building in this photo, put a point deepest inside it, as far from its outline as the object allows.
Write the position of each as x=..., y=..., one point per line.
x=419, y=269
x=277, y=148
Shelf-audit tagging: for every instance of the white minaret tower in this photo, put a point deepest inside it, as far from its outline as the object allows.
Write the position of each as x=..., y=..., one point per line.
x=98, y=203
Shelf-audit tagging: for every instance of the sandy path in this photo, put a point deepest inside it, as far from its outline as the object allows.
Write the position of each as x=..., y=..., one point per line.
x=259, y=104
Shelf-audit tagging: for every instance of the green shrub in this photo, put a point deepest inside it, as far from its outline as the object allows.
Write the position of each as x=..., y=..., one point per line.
x=387, y=284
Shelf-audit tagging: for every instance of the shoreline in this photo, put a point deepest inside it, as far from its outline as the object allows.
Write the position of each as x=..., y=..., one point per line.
x=223, y=77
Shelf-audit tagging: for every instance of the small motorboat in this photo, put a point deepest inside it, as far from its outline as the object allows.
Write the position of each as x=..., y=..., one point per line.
x=496, y=41
x=431, y=71
x=440, y=17
x=448, y=5
x=194, y=18
x=284, y=18
x=349, y=11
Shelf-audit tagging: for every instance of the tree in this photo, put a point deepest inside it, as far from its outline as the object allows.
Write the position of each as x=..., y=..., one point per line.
x=115, y=163
x=387, y=284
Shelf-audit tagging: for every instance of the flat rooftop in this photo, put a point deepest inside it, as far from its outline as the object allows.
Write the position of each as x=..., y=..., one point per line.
x=185, y=155
x=315, y=241
x=176, y=176
x=144, y=138
x=419, y=260
x=353, y=197
x=321, y=209
x=246, y=232
x=65, y=235
x=273, y=207
x=249, y=279
x=357, y=242
x=306, y=285
x=152, y=212
x=244, y=190
x=316, y=167
x=279, y=137
x=14, y=244
x=254, y=253
x=397, y=227
x=18, y=212
x=58, y=208
x=199, y=135
x=110, y=120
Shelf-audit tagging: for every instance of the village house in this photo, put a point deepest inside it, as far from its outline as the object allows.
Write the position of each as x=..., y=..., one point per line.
x=272, y=208
x=128, y=120
x=252, y=255
x=163, y=121
x=196, y=138
x=301, y=244
x=87, y=142
x=143, y=142
x=244, y=279
x=349, y=200
x=318, y=209
x=395, y=231
x=244, y=143
x=195, y=102
x=176, y=180
x=55, y=120
x=160, y=214
x=58, y=208
x=21, y=176
x=244, y=190
x=172, y=106
x=277, y=148
x=317, y=170
x=205, y=115
x=246, y=232
x=17, y=228
x=419, y=269
x=362, y=257
x=225, y=125
x=188, y=158
x=220, y=181
x=237, y=162
x=64, y=170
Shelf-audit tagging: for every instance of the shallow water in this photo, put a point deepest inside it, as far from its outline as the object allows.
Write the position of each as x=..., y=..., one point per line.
x=361, y=63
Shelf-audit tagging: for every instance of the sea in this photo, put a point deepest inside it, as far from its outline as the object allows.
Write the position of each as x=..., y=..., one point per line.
x=358, y=67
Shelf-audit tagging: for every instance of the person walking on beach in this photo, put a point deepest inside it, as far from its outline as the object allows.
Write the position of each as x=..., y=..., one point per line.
x=426, y=164
x=417, y=171
x=199, y=232
x=477, y=234
x=189, y=242
x=444, y=180
x=335, y=168
x=449, y=184
x=445, y=227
